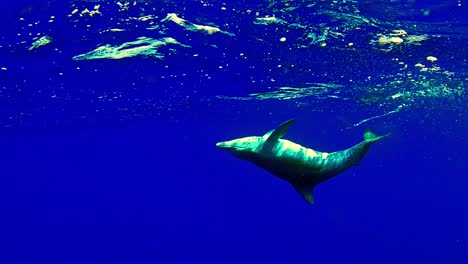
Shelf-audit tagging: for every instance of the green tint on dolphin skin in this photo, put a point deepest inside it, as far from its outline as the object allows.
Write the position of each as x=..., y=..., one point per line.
x=303, y=167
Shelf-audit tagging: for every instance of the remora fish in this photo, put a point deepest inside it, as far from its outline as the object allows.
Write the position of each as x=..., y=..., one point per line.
x=303, y=167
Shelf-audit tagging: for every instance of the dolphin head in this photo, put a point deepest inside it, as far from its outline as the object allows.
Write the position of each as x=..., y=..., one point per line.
x=242, y=147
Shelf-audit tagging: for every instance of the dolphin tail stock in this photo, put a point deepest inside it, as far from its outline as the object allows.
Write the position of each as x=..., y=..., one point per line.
x=372, y=138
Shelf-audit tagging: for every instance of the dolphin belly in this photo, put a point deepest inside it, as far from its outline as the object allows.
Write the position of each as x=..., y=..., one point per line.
x=290, y=170
x=292, y=162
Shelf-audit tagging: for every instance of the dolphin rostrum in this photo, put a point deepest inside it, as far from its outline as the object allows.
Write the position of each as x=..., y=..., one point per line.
x=303, y=167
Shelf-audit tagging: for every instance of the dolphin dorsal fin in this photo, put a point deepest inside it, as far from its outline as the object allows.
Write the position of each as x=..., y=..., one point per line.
x=279, y=132
x=306, y=191
x=368, y=135
x=371, y=137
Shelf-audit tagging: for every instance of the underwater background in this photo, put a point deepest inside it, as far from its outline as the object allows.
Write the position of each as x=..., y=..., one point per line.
x=110, y=112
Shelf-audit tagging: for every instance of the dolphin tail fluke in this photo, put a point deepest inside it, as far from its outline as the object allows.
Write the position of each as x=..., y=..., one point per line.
x=306, y=191
x=372, y=138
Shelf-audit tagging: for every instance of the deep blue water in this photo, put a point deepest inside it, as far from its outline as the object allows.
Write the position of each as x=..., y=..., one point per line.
x=114, y=160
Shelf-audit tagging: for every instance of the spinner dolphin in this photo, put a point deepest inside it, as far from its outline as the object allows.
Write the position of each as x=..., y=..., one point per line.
x=303, y=167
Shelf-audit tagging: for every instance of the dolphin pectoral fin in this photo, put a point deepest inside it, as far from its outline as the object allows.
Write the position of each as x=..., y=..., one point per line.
x=306, y=191
x=279, y=132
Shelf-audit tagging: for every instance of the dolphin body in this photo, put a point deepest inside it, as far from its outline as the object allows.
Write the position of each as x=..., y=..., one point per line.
x=303, y=167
